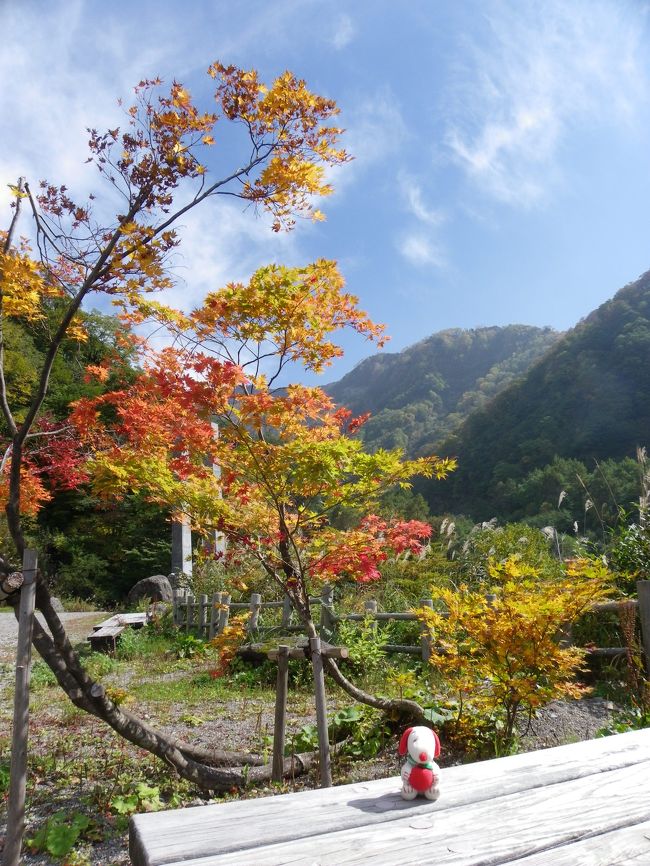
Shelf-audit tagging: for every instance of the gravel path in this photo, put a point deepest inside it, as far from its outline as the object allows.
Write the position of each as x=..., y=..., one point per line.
x=78, y=626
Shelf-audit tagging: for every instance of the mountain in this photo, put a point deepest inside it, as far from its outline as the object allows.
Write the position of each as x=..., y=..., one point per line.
x=588, y=399
x=418, y=396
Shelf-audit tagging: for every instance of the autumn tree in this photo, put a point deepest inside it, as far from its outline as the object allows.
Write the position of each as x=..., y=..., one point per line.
x=157, y=167
x=286, y=455
x=285, y=459
x=497, y=644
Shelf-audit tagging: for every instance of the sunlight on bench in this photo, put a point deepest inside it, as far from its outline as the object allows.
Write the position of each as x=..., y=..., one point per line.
x=585, y=804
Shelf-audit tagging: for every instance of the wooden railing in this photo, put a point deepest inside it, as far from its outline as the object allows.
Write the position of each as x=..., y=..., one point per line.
x=209, y=616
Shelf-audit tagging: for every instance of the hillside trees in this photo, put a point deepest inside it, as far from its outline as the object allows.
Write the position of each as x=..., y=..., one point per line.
x=420, y=395
x=587, y=399
x=81, y=545
x=285, y=458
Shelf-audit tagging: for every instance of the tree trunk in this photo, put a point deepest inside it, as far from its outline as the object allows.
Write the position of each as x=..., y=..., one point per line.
x=391, y=706
x=216, y=770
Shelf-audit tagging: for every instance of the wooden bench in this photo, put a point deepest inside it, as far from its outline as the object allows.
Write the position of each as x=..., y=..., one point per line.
x=105, y=634
x=586, y=804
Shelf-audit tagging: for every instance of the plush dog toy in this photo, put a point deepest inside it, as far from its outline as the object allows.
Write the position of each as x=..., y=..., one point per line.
x=420, y=773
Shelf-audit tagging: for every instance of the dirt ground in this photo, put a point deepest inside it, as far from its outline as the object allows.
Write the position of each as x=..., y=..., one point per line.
x=239, y=723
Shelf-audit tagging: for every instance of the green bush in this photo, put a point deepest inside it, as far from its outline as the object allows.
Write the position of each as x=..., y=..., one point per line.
x=363, y=730
x=74, y=604
x=100, y=664
x=364, y=640
x=41, y=675
x=61, y=832
x=187, y=646
x=135, y=642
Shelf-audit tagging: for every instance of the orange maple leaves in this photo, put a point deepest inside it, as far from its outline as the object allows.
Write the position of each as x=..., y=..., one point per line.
x=287, y=126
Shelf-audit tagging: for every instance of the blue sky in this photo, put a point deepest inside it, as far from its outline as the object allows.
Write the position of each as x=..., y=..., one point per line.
x=502, y=149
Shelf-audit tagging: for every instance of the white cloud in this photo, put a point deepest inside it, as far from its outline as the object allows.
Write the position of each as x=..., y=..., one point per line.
x=414, y=199
x=52, y=87
x=374, y=132
x=375, y=127
x=64, y=64
x=539, y=72
x=420, y=250
x=223, y=242
x=420, y=247
x=344, y=33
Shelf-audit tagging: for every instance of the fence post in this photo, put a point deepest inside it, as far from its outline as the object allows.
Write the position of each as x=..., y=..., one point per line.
x=286, y=612
x=203, y=609
x=326, y=612
x=177, y=606
x=255, y=607
x=280, y=725
x=214, y=615
x=189, y=617
x=224, y=613
x=18, y=771
x=321, y=713
x=643, y=594
x=425, y=640
x=370, y=608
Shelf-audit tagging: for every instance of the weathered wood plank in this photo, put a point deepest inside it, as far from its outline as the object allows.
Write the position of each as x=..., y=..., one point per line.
x=110, y=631
x=622, y=847
x=122, y=619
x=301, y=651
x=280, y=723
x=164, y=837
x=489, y=833
x=360, y=617
x=324, y=756
x=611, y=606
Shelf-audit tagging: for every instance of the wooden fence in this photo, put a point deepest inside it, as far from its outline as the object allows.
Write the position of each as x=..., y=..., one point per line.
x=208, y=617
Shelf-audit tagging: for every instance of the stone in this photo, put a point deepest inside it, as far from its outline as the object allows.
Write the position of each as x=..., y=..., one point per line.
x=57, y=604
x=154, y=588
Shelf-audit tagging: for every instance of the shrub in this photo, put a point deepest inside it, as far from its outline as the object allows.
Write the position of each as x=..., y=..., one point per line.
x=133, y=643
x=501, y=655
x=228, y=642
x=364, y=641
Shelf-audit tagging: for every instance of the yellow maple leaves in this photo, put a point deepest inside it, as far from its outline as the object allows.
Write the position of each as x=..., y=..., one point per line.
x=290, y=133
x=23, y=286
x=500, y=651
x=294, y=310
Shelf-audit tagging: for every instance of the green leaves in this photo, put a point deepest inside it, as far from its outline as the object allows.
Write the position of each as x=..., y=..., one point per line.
x=143, y=798
x=60, y=833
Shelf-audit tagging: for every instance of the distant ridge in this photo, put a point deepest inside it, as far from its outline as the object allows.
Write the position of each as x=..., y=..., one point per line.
x=418, y=396
x=588, y=398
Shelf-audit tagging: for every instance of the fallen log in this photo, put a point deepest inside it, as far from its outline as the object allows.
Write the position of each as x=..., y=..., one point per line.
x=10, y=584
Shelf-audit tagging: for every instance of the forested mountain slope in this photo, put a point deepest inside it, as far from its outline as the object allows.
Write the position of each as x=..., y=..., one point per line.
x=587, y=398
x=419, y=395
